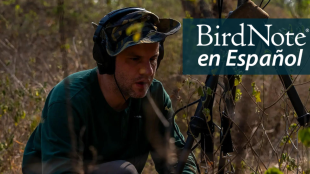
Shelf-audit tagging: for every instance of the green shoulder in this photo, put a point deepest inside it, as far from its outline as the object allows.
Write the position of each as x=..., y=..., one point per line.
x=76, y=86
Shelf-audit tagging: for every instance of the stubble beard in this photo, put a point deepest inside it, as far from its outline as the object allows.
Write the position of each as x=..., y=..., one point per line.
x=126, y=85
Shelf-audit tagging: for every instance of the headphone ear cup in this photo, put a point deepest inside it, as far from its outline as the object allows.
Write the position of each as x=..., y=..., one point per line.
x=97, y=55
x=161, y=53
x=105, y=63
x=109, y=62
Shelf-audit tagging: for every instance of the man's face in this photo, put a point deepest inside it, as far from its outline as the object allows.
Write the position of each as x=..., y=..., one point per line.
x=135, y=69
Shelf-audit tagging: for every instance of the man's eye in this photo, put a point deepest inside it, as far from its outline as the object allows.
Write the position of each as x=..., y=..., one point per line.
x=135, y=59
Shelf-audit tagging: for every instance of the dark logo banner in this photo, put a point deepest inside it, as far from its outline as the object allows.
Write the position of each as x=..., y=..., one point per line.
x=246, y=46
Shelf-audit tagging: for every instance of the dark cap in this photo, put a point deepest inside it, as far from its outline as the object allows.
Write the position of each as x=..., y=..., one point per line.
x=136, y=28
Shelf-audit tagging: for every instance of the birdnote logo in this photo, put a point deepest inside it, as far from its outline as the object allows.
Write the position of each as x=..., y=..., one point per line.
x=246, y=46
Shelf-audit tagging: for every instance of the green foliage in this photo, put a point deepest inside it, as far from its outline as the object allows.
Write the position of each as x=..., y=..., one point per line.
x=273, y=170
x=286, y=139
x=200, y=91
x=238, y=94
x=187, y=15
x=302, y=7
x=243, y=165
x=256, y=92
x=304, y=136
x=8, y=2
x=66, y=46
x=209, y=91
x=238, y=80
x=293, y=126
x=290, y=162
x=7, y=143
x=17, y=105
x=206, y=113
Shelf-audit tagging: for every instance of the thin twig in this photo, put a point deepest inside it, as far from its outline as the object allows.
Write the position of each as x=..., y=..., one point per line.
x=14, y=77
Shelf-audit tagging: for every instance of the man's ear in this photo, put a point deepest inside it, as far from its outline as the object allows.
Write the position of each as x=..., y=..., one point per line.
x=94, y=25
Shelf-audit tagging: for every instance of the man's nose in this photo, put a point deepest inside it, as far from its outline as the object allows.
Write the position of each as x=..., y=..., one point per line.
x=147, y=69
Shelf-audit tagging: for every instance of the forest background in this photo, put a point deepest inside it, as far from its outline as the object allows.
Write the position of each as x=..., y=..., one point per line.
x=43, y=41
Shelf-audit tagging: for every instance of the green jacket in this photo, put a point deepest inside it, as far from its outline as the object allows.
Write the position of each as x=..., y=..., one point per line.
x=84, y=130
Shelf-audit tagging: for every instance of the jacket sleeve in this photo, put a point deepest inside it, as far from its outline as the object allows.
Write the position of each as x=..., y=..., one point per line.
x=59, y=143
x=190, y=167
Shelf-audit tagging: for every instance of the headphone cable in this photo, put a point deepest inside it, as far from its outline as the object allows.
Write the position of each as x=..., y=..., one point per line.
x=119, y=88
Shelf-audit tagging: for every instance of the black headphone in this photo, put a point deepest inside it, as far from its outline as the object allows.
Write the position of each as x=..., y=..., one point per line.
x=105, y=62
